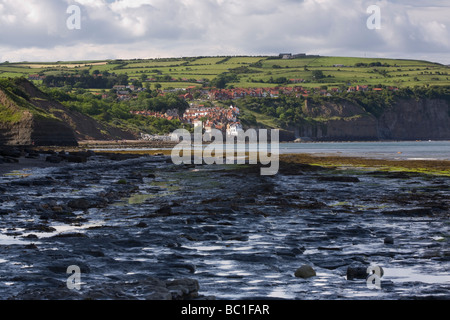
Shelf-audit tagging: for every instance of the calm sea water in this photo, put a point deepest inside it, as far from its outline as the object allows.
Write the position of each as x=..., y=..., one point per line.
x=405, y=150
x=412, y=150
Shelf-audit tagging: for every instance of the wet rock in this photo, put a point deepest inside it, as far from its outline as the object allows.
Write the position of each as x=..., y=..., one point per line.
x=236, y=237
x=356, y=272
x=61, y=266
x=418, y=212
x=338, y=179
x=188, y=266
x=305, y=272
x=80, y=204
x=183, y=289
x=42, y=228
x=389, y=240
x=54, y=159
x=164, y=210
x=71, y=235
x=76, y=159
x=31, y=236
x=142, y=225
x=9, y=160
x=129, y=243
x=10, y=152
x=95, y=253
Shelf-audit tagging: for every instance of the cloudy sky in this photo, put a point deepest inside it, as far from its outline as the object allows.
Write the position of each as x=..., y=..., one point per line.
x=36, y=30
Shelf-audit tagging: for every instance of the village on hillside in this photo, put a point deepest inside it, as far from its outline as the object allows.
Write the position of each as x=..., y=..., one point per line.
x=204, y=110
x=227, y=120
x=198, y=115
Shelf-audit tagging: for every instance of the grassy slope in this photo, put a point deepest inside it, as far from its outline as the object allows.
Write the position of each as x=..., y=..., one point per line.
x=18, y=104
x=401, y=73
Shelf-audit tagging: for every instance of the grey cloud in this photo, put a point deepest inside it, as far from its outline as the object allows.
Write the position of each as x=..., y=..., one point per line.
x=218, y=27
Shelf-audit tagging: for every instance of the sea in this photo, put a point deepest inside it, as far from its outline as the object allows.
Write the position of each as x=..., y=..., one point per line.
x=401, y=150
x=391, y=150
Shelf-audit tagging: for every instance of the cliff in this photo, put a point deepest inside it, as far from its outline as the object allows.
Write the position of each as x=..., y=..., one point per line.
x=29, y=117
x=405, y=119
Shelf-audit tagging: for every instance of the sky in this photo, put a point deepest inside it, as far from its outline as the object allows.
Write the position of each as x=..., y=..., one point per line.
x=38, y=30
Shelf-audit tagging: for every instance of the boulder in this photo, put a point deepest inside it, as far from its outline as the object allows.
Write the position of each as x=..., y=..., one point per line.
x=388, y=240
x=305, y=271
x=356, y=273
x=81, y=204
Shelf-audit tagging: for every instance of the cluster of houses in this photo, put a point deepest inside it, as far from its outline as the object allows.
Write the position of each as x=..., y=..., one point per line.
x=171, y=114
x=36, y=77
x=239, y=93
x=223, y=119
x=124, y=92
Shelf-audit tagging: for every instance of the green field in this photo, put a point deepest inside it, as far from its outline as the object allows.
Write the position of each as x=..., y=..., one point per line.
x=255, y=71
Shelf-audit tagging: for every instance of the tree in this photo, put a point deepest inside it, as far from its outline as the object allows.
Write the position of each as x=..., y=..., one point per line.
x=317, y=74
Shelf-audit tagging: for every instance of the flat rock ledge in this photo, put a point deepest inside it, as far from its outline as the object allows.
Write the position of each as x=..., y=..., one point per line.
x=146, y=289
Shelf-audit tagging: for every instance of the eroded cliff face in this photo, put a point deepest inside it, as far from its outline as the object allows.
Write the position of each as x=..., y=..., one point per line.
x=40, y=121
x=406, y=119
x=416, y=120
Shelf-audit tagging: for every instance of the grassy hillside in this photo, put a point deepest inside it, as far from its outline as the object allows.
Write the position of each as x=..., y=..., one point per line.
x=15, y=101
x=253, y=71
x=82, y=90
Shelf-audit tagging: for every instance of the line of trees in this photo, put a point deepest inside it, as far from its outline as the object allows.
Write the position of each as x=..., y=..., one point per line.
x=86, y=80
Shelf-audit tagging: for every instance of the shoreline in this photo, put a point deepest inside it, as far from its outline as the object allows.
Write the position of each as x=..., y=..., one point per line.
x=433, y=167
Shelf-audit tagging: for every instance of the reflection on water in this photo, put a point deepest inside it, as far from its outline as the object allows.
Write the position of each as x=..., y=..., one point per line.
x=414, y=275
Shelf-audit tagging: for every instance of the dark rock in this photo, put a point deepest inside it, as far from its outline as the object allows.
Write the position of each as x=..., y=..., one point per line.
x=31, y=236
x=42, y=228
x=297, y=251
x=356, y=273
x=54, y=159
x=418, y=212
x=31, y=246
x=142, y=225
x=70, y=235
x=10, y=159
x=236, y=237
x=60, y=267
x=305, y=272
x=76, y=159
x=10, y=152
x=164, y=210
x=95, y=253
x=183, y=289
x=338, y=179
x=81, y=204
x=188, y=266
x=128, y=243
x=388, y=240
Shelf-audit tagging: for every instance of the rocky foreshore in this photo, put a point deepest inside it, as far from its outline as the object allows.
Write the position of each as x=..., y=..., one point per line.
x=139, y=227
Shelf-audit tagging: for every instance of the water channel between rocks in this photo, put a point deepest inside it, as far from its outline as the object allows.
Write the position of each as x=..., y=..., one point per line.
x=239, y=234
